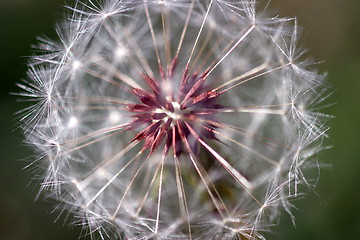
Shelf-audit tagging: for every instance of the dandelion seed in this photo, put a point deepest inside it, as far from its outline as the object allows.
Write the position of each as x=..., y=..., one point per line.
x=174, y=119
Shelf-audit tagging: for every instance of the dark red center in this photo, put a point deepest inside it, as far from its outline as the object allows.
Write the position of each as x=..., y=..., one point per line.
x=178, y=117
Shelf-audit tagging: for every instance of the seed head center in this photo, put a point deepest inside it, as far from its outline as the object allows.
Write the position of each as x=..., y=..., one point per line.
x=176, y=114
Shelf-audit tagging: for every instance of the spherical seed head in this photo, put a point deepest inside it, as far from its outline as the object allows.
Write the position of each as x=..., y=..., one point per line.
x=174, y=119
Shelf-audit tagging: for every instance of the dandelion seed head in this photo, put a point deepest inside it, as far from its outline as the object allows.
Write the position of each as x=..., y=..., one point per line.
x=174, y=119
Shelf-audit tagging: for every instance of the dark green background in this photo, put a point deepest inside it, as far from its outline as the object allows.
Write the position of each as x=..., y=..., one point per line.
x=332, y=29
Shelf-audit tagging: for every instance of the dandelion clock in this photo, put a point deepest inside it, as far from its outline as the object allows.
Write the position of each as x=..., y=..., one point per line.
x=173, y=119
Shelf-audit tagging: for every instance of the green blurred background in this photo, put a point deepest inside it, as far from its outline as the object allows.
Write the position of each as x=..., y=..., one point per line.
x=332, y=30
